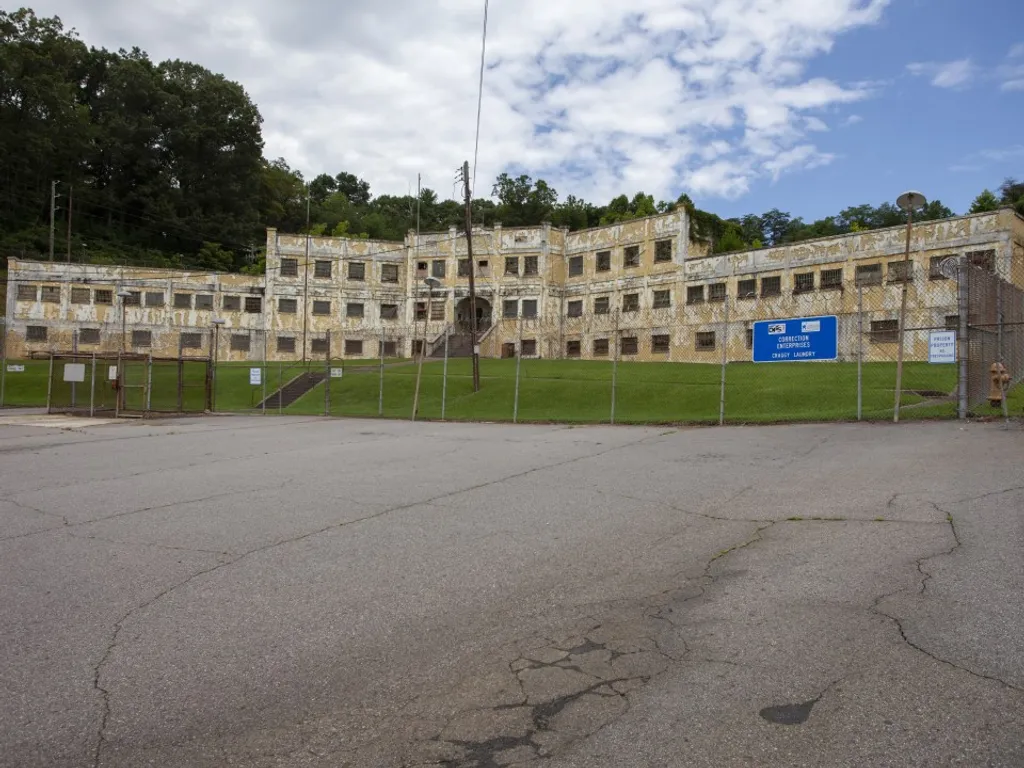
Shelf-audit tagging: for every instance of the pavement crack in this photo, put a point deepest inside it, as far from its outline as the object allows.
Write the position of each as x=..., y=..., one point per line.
x=989, y=495
x=669, y=505
x=150, y=544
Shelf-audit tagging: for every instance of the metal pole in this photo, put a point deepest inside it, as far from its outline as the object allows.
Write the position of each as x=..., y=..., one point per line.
x=74, y=350
x=53, y=212
x=903, y=318
x=519, y=359
x=423, y=352
x=120, y=387
x=725, y=362
x=92, y=387
x=49, y=384
x=70, y=190
x=263, y=377
x=280, y=386
x=149, y=381
x=444, y=375
x=305, y=283
x=472, y=279
x=3, y=362
x=1002, y=361
x=380, y=392
x=860, y=352
x=962, y=337
x=327, y=383
x=213, y=374
x=615, y=363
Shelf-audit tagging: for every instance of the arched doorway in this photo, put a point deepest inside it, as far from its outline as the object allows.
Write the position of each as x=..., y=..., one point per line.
x=483, y=313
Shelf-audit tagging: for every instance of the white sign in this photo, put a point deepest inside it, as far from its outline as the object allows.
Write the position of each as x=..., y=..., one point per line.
x=112, y=373
x=15, y=368
x=810, y=326
x=74, y=372
x=337, y=373
x=942, y=347
x=255, y=376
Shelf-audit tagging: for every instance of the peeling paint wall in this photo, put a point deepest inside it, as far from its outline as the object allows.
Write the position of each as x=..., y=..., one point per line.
x=365, y=292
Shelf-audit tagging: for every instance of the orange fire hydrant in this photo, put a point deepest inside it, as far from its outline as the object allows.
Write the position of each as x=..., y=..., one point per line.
x=1000, y=380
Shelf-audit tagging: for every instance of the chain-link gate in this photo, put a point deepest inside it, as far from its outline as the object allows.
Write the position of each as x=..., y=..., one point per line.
x=995, y=334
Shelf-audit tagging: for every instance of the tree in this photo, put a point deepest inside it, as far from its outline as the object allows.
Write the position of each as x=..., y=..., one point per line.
x=986, y=201
x=1011, y=193
x=775, y=224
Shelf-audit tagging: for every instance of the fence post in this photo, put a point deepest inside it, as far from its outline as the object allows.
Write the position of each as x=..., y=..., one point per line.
x=149, y=382
x=860, y=351
x=74, y=350
x=263, y=378
x=49, y=384
x=615, y=364
x=120, y=385
x=92, y=387
x=725, y=362
x=280, y=386
x=380, y=389
x=3, y=361
x=327, y=381
x=444, y=375
x=1002, y=360
x=519, y=358
x=962, y=337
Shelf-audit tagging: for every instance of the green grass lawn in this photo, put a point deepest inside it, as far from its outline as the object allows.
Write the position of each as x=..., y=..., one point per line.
x=568, y=391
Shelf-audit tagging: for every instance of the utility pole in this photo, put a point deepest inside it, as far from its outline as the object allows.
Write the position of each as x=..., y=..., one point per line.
x=70, y=190
x=305, y=284
x=472, y=280
x=53, y=213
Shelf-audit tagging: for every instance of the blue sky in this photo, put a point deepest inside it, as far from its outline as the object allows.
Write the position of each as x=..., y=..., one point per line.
x=809, y=106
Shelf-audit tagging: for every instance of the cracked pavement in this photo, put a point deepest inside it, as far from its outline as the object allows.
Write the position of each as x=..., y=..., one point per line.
x=305, y=592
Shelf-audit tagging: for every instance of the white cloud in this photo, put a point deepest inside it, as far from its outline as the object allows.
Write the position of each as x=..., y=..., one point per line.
x=853, y=120
x=598, y=98
x=950, y=74
x=1016, y=52
x=983, y=158
x=1013, y=85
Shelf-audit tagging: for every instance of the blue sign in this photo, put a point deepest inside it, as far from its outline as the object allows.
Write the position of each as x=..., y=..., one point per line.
x=797, y=339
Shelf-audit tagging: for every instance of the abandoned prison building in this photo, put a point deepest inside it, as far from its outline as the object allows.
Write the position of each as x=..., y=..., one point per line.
x=644, y=289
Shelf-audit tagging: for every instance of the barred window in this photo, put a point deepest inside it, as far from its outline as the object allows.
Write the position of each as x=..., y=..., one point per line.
x=704, y=340
x=321, y=269
x=437, y=268
x=35, y=333
x=321, y=307
x=103, y=296
x=183, y=301
x=437, y=310
x=287, y=306
x=529, y=348
x=232, y=303
x=27, y=292
x=388, y=311
x=512, y=265
x=388, y=348
x=575, y=308
x=716, y=292
x=695, y=294
x=869, y=274
x=319, y=346
x=81, y=296
x=289, y=267
x=601, y=305
x=204, y=301
x=353, y=309
x=662, y=251
x=421, y=310
x=421, y=269
x=746, y=289
x=935, y=267
x=253, y=304
x=286, y=344
x=529, y=307
x=530, y=265
x=630, y=302
x=51, y=294
x=831, y=279
x=154, y=298
x=389, y=273
x=631, y=256
x=575, y=266
x=89, y=336
x=463, y=268
x=133, y=299
x=662, y=299
x=749, y=338
x=629, y=345
x=239, y=342
x=983, y=259
x=952, y=322
x=353, y=346
x=417, y=347
x=900, y=271
x=572, y=348
x=601, y=347
x=356, y=270
x=660, y=342
x=190, y=341
x=803, y=282
x=771, y=286
x=885, y=331
x=603, y=261
x=510, y=308
x=142, y=338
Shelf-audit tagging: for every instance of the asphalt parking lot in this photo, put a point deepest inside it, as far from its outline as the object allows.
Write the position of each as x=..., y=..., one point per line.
x=309, y=592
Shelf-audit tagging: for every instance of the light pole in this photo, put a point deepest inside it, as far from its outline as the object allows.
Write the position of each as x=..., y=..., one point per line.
x=431, y=283
x=909, y=202
x=216, y=322
x=123, y=295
